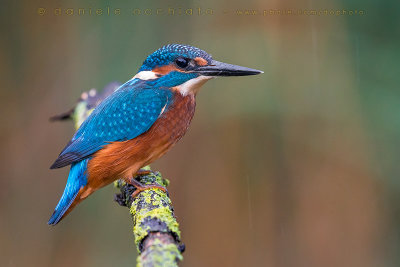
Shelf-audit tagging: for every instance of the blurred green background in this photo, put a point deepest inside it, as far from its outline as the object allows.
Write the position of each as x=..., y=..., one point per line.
x=295, y=167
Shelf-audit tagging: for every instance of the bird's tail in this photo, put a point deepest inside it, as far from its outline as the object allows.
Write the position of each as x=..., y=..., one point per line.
x=77, y=179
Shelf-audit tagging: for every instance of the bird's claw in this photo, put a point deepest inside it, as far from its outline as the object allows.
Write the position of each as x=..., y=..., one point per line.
x=142, y=187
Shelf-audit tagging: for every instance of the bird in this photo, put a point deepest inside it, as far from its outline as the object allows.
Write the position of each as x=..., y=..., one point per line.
x=138, y=123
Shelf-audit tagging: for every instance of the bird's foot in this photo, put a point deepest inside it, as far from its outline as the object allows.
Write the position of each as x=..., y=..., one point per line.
x=142, y=172
x=142, y=187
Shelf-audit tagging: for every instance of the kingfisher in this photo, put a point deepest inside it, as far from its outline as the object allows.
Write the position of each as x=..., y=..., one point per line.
x=138, y=123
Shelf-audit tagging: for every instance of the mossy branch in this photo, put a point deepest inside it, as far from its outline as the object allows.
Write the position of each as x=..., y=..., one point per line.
x=155, y=228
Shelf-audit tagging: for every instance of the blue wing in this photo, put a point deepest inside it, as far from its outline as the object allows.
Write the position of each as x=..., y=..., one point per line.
x=126, y=114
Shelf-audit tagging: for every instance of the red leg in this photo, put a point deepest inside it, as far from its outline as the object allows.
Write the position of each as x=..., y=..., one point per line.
x=142, y=187
x=143, y=172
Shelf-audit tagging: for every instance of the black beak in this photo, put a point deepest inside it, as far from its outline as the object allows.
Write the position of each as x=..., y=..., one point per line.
x=217, y=68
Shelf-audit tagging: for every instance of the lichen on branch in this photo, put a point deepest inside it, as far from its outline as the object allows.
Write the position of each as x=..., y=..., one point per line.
x=156, y=231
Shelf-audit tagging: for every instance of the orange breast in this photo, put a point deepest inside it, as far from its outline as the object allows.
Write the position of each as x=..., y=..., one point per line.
x=124, y=159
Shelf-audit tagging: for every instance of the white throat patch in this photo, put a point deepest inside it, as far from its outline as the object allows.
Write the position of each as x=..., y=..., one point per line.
x=192, y=85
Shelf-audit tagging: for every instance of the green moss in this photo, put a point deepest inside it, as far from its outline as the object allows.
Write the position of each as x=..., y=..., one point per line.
x=155, y=208
x=152, y=204
x=147, y=168
x=159, y=254
x=163, y=214
x=119, y=183
x=80, y=113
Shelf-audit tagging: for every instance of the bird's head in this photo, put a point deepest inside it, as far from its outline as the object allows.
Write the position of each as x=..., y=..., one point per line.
x=185, y=68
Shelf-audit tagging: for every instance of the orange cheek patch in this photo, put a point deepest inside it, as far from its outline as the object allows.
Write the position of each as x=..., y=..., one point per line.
x=200, y=61
x=166, y=69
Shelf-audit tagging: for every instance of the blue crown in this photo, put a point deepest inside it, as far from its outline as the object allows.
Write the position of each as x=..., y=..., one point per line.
x=168, y=53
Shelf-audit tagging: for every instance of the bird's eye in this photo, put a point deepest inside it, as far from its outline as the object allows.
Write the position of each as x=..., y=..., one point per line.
x=182, y=62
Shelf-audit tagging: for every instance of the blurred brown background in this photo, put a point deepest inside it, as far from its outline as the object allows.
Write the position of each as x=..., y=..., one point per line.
x=295, y=167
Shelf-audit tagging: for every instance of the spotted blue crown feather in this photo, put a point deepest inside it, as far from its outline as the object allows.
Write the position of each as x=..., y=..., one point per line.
x=168, y=53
